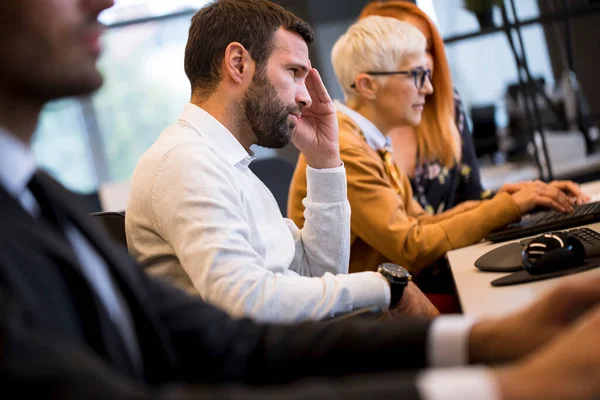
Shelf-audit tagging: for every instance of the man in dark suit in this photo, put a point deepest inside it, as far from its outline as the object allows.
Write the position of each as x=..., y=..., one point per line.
x=78, y=318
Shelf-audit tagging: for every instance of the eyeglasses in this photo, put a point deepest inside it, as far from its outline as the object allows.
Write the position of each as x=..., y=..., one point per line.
x=419, y=75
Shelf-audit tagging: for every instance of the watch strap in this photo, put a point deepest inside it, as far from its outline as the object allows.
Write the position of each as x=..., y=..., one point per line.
x=396, y=291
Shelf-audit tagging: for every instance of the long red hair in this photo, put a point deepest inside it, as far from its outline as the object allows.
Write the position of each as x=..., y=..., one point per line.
x=437, y=133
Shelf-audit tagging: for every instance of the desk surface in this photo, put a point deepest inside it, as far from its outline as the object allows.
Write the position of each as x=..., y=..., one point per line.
x=479, y=298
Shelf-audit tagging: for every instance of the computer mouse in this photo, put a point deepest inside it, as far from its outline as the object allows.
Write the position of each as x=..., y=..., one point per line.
x=551, y=252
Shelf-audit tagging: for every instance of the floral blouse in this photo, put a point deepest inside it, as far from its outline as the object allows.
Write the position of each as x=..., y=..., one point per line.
x=433, y=183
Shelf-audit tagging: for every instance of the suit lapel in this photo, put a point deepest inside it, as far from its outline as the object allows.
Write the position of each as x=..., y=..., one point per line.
x=27, y=229
x=78, y=215
x=95, y=322
x=158, y=362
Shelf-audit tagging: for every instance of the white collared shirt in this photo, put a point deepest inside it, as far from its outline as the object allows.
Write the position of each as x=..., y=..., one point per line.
x=199, y=216
x=375, y=139
x=17, y=167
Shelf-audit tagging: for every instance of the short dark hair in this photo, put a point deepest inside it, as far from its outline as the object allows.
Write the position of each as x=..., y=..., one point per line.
x=252, y=23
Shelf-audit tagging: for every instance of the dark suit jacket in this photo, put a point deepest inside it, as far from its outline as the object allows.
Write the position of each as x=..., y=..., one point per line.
x=57, y=341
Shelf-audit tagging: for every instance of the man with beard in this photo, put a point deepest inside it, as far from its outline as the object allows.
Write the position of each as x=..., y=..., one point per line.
x=198, y=216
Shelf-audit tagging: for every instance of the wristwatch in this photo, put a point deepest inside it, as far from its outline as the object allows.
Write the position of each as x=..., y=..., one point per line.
x=398, y=279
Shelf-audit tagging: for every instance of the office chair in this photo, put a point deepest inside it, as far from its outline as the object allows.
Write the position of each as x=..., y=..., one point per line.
x=276, y=174
x=114, y=222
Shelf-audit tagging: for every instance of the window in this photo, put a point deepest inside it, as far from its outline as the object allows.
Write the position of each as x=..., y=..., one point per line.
x=144, y=91
x=61, y=146
x=85, y=142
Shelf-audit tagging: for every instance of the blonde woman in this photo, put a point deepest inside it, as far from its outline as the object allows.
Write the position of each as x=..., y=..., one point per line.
x=381, y=64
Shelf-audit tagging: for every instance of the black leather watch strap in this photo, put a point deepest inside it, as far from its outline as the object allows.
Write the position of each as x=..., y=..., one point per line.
x=396, y=290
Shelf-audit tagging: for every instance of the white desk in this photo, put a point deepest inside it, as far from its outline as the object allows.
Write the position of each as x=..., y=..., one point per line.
x=479, y=298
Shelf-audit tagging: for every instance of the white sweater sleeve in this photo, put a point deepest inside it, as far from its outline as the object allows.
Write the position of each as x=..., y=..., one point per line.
x=323, y=244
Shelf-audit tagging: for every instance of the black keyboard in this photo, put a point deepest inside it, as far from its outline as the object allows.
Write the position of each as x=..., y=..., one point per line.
x=588, y=237
x=545, y=221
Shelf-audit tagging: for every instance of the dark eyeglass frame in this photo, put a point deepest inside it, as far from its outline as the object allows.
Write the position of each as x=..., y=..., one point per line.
x=414, y=72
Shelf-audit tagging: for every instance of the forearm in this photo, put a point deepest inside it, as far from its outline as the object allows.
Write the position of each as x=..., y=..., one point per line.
x=281, y=353
x=471, y=226
x=56, y=371
x=295, y=298
x=330, y=160
x=391, y=385
x=239, y=283
x=483, y=341
x=459, y=209
x=323, y=244
x=463, y=226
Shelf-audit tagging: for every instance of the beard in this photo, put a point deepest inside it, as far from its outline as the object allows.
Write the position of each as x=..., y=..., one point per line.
x=267, y=115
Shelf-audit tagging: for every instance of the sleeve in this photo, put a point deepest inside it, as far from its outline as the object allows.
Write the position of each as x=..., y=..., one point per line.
x=380, y=217
x=267, y=362
x=449, y=379
x=323, y=244
x=201, y=213
x=242, y=351
x=470, y=187
x=458, y=384
x=448, y=342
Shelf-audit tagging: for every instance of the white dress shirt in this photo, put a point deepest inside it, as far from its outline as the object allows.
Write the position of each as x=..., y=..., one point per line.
x=448, y=340
x=374, y=137
x=17, y=167
x=199, y=216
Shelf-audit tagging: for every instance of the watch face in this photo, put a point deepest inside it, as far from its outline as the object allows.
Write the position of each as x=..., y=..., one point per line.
x=394, y=270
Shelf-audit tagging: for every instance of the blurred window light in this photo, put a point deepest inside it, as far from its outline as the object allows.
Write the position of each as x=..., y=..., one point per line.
x=429, y=9
x=131, y=10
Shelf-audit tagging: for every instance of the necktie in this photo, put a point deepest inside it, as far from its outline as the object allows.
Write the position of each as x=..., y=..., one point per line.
x=392, y=169
x=48, y=212
x=393, y=172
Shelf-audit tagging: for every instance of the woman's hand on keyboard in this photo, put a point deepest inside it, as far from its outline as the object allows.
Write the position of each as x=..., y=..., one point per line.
x=538, y=193
x=572, y=190
x=569, y=188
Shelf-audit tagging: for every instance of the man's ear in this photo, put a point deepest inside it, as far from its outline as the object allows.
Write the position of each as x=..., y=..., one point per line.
x=366, y=86
x=237, y=63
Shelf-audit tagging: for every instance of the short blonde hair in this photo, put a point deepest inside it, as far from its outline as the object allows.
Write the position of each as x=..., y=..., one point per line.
x=373, y=44
x=434, y=135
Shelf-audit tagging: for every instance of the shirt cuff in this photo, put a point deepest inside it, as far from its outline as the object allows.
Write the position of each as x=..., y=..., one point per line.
x=369, y=289
x=458, y=384
x=448, y=341
x=326, y=185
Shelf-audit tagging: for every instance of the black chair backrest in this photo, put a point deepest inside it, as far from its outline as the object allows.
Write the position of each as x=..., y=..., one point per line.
x=114, y=222
x=276, y=174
